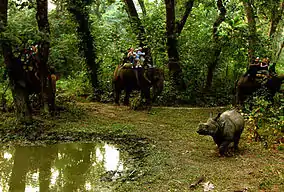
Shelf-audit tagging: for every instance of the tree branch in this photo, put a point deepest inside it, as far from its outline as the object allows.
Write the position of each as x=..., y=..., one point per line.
x=220, y=19
x=180, y=25
x=142, y=5
x=276, y=15
x=135, y=21
x=252, y=38
x=3, y=14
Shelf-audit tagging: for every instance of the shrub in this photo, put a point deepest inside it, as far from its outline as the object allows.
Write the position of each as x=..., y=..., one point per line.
x=266, y=120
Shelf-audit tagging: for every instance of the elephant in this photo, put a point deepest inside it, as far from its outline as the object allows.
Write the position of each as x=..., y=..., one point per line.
x=246, y=87
x=28, y=78
x=128, y=79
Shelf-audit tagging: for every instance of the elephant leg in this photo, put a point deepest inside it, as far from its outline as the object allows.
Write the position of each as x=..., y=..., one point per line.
x=240, y=98
x=145, y=93
x=117, y=96
x=126, y=98
x=117, y=91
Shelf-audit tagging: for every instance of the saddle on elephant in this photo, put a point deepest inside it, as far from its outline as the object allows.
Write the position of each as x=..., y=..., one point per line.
x=262, y=77
x=129, y=66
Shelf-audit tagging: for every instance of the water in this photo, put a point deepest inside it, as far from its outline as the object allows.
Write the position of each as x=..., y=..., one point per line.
x=61, y=167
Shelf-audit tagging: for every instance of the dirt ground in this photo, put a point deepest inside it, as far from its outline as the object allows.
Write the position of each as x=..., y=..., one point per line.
x=176, y=155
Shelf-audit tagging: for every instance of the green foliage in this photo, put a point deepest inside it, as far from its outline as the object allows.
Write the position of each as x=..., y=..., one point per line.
x=73, y=87
x=6, y=95
x=113, y=35
x=266, y=120
x=22, y=28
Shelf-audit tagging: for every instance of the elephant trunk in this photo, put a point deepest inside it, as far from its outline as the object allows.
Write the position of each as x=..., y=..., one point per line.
x=156, y=76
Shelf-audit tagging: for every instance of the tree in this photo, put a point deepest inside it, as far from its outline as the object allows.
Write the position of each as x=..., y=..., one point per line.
x=135, y=22
x=25, y=82
x=137, y=25
x=80, y=12
x=277, y=10
x=143, y=8
x=252, y=37
x=217, y=44
x=174, y=29
x=20, y=94
x=276, y=13
x=43, y=27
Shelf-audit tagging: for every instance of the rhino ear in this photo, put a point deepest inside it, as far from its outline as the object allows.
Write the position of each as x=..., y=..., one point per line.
x=217, y=117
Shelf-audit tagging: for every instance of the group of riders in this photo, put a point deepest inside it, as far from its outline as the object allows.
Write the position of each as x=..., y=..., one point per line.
x=260, y=68
x=135, y=57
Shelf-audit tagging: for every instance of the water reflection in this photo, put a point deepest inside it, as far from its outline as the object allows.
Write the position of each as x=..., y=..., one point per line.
x=62, y=167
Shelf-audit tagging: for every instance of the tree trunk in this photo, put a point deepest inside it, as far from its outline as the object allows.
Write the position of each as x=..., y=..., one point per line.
x=277, y=10
x=174, y=62
x=252, y=39
x=142, y=5
x=188, y=9
x=276, y=15
x=43, y=26
x=80, y=12
x=211, y=68
x=174, y=29
x=217, y=48
x=3, y=14
x=20, y=94
x=279, y=51
x=135, y=22
x=138, y=27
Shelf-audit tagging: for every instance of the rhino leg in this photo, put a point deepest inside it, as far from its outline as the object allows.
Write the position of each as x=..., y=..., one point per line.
x=223, y=149
x=218, y=141
x=236, y=140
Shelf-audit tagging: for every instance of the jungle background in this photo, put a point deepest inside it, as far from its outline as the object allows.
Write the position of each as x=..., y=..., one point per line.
x=204, y=46
x=113, y=32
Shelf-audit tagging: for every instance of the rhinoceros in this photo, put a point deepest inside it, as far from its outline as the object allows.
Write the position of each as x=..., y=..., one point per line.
x=225, y=128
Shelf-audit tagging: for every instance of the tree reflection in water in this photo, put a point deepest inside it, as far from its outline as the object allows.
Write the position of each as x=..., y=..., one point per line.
x=61, y=167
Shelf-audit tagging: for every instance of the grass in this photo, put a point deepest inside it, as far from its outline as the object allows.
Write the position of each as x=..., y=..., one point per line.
x=177, y=155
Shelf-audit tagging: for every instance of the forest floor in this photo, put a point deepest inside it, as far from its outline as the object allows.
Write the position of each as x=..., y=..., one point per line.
x=176, y=156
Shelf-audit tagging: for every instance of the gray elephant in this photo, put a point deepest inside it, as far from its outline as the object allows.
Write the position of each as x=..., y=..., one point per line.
x=246, y=87
x=128, y=79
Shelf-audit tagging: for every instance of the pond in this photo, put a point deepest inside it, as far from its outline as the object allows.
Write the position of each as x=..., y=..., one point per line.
x=63, y=167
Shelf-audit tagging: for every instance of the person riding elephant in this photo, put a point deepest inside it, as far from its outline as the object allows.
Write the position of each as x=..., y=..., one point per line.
x=245, y=87
x=253, y=68
x=126, y=79
x=263, y=67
